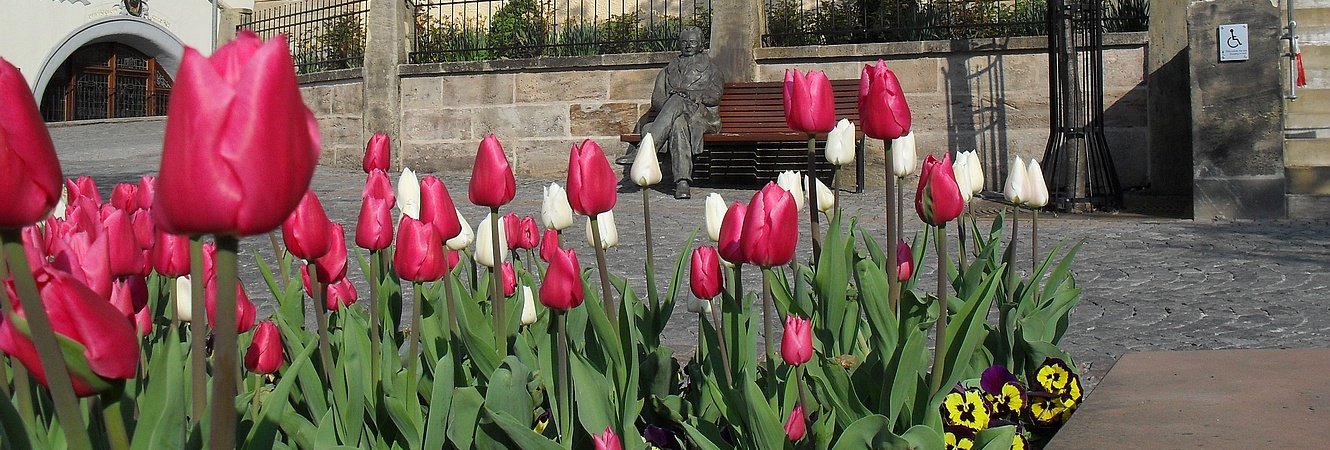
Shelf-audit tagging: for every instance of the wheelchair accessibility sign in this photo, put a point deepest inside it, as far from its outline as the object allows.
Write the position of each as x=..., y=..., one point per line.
x=1233, y=42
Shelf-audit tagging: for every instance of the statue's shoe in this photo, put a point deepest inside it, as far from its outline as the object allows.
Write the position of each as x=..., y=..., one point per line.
x=626, y=159
x=681, y=190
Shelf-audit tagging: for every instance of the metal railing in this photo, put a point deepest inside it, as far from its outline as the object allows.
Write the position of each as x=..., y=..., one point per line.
x=812, y=22
x=477, y=30
x=323, y=34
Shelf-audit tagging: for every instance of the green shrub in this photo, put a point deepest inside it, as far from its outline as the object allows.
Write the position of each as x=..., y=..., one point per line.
x=520, y=29
x=338, y=44
x=439, y=40
x=1127, y=15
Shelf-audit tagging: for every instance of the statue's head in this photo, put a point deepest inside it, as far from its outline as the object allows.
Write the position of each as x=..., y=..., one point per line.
x=690, y=41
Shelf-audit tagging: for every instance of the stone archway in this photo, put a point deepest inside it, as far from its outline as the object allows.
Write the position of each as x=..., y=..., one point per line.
x=141, y=35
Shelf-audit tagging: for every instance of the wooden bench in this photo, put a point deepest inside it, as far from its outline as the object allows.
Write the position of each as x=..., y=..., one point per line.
x=754, y=144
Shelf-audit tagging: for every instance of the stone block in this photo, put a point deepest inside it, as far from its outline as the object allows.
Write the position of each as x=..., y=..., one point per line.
x=525, y=121
x=437, y=125
x=421, y=93
x=476, y=90
x=1130, y=148
x=340, y=131
x=1125, y=108
x=347, y=99
x=1307, y=152
x=1308, y=180
x=1253, y=197
x=632, y=84
x=1006, y=72
x=543, y=87
x=547, y=158
x=602, y=119
x=1310, y=101
x=1308, y=206
x=428, y=157
x=318, y=99
x=1124, y=67
x=916, y=75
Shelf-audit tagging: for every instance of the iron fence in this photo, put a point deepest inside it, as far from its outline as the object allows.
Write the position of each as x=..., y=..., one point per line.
x=323, y=34
x=811, y=22
x=476, y=30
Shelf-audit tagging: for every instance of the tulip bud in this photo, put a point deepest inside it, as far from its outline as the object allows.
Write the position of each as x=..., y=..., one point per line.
x=147, y=191
x=125, y=197
x=305, y=231
x=332, y=265
x=265, y=351
x=464, y=238
x=555, y=212
x=170, y=254
x=1037, y=191
x=699, y=305
x=436, y=208
x=484, y=247
x=883, y=112
x=592, y=184
x=125, y=257
x=609, y=234
x=508, y=278
x=770, y=227
x=840, y=143
x=84, y=187
x=646, y=167
x=730, y=245
x=826, y=199
x=378, y=153
x=246, y=314
x=184, y=298
x=374, y=225
x=961, y=168
x=528, y=306
x=810, y=104
x=340, y=293
x=130, y=296
x=492, y=182
x=1017, y=185
x=904, y=261
x=704, y=276
x=528, y=233
x=714, y=215
x=794, y=426
x=408, y=194
x=419, y=255
x=976, y=172
x=30, y=177
x=549, y=243
x=796, y=344
x=793, y=182
x=903, y=156
x=62, y=205
x=512, y=230
x=606, y=440
x=562, y=287
x=938, y=199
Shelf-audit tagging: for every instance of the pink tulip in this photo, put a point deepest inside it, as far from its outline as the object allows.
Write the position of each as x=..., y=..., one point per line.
x=562, y=287
x=125, y=257
x=592, y=184
x=810, y=105
x=246, y=314
x=883, y=111
x=374, y=226
x=796, y=344
x=419, y=255
x=332, y=265
x=30, y=175
x=84, y=187
x=938, y=199
x=378, y=153
x=606, y=440
x=305, y=231
x=549, y=243
x=125, y=197
x=240, y=145
x=529, y=233
x=771, y=227
x=145, y=232
x=265, y=351
x=512, y=229
x=509, y=279
x=437, y=209
x=794, y=426
x=904, y=261
x=492, y=182
x=341, y=293
x=704, y=276
x=730, y=245
x=170, y=255
x=147, y=191
x=129, y=295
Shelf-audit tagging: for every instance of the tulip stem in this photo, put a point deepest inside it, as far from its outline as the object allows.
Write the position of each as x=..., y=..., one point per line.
x=606, y=296
x=768, y=277
x=724, y=349
x=652, y=296
x=5, y=308
x=411, y=353
x=39, y=325
x=198, y=331
x=496, y=293
x=736, y=327
x=962, y=256
x=223, y=411
x=893, y=231
x=811, y=193
x=448, y=297
x=940, y=354
x=835, y=192
x=374, y=336
x=280, y=253
x=565, y=381
x=111, y=403
x=1034, y=241
x=803, y=388
x=320, y=315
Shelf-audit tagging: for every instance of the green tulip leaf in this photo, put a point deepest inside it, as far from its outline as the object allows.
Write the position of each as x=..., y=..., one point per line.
x=592, y=396
x=276, y=403
x=507, y=392
x=999, y=438
x=519, y=432
x=467, y=403
x=14, y=431
x=162, y=413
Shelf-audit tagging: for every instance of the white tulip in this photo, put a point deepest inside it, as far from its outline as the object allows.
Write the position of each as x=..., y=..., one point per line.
x=609, y=234
x=825, y=198
x=63, y=204
x=528, y=305
x=962, y=176
x=699, y=305
x=484, y=250
x=463, y=239
x=1016, y=183
x=976, y=172
x=715, y=214
x=408, y=194
x=840, y=143
x=792, y=182
x=555, y=212
x=184, y=298
x=646, y=168
x=903, y=157
x=1036, y=191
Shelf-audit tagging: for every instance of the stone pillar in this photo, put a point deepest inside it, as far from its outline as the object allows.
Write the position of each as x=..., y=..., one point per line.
x=227, y=21
x=1237, y=112
x=387, y=41
x=736, y=29
x=1168, y=105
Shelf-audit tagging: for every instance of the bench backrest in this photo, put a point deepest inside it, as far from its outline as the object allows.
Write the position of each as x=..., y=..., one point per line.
x=759, y=108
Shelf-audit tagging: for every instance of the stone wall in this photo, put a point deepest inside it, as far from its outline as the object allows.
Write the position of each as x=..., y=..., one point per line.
x=337, y=100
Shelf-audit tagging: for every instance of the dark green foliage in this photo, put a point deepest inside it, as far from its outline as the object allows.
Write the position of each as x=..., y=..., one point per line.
x=520, y=29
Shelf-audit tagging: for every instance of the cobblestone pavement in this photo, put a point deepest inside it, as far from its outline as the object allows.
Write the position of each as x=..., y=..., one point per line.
x=1149, y=284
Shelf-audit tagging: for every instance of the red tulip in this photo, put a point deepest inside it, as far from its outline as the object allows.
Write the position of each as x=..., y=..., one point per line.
x=730, y=245
x=129, y=295
x=374, y=226
x=562, y=287
x=305, y=231
x=170, y=255
x=86, y=256
x=419, y=254
x=883, y=112
x=796, y=344
x=378, y=153
x=145, y=232
x=549, y=243
x=125, y=257
x=904, y=261
x=437, y=209
x=265, y=351
x=512, y=230
x=592, y=184
x=125, y=197
x=340, y=293
x=84, y=187
x=810, y=105
x=147, y=191
x=332, y=265
x=771, y=227
x=509, y=279
x=492, y=182
x=606, y=440
x=91, y=327
x=240, y=145
x=794, y=427
x=938, y=199
x=246, y=314
x=529, y=233
x=704, y=276
x=30, y=175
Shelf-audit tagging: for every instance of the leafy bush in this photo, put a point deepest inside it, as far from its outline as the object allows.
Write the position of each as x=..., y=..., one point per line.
x=439, y=40
x=340, y=44
x=520, y=29
x=1127, y=15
